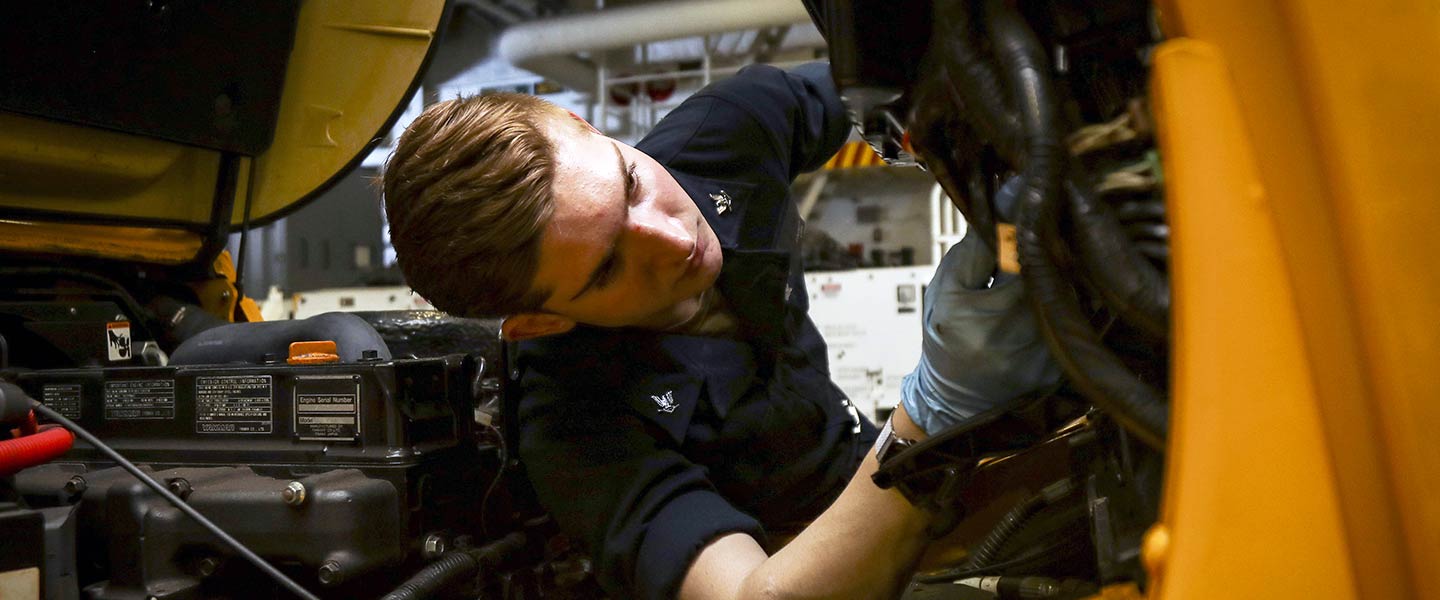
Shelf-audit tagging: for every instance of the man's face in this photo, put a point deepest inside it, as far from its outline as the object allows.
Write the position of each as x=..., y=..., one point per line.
x=625, y=247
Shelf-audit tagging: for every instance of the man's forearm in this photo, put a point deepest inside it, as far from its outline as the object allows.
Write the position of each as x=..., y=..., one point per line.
x=864, y=546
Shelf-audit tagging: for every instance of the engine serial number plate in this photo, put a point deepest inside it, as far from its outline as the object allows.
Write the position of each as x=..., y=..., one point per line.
x=234, y=404
x=327, y=407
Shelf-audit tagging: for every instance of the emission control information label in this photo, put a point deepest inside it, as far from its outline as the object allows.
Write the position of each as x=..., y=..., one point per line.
x=234, y=404
x=63, y=397
x=327, y=408
x=139, y=399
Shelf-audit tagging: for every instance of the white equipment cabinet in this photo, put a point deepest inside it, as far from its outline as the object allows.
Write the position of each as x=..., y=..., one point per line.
x=870, y=319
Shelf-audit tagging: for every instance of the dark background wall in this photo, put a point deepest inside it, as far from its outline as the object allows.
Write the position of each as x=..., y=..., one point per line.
x=334, y=241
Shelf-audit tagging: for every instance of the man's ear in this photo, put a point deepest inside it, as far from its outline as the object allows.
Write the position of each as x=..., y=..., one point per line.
x=531, y=325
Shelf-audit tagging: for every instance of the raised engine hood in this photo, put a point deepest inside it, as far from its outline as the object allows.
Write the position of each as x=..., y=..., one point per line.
x=143, y=129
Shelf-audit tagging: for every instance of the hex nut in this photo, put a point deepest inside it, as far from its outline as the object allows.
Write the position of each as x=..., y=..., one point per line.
x=294, y=493
x=207, y=566
x=76, y=485
x=329, y=573
x=180, y=487
x=434, y=546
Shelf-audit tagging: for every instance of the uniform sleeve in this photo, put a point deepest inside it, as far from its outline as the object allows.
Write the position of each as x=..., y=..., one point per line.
x=611, y=480
x=786, y=122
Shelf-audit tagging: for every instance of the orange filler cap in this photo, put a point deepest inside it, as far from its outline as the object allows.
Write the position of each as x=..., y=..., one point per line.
x=318, y=352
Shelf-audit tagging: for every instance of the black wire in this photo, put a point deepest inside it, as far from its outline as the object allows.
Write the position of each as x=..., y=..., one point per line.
x=150, y=482
x=951, y=575
x=244, y=231
x=494, y=483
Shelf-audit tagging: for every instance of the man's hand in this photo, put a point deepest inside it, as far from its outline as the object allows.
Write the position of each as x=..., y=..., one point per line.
x=982, y=346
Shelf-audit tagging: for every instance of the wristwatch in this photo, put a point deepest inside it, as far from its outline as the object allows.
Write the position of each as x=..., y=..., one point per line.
x=890, y=443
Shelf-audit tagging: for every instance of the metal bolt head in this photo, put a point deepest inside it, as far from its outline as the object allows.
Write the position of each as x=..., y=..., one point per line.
x=434, y=546
x=76, y=485
x=180, y=487
x=294, y=493
x=329, y=573
x=207, y=566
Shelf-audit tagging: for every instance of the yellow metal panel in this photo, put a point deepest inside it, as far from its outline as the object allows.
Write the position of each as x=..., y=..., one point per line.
x=162, y=246
x=353, y=62
x=350, y=68
x=52, y=166
x=1339, y=101
x=1249, y=492
x=1372, y=87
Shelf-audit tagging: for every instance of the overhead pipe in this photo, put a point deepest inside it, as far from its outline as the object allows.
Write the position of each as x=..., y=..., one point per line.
x=547, y=47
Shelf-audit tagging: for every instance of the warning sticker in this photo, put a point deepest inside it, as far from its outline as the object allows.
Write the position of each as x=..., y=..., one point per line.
x=234, y=404
x=327, y=408
x=117, y=339
x=63, y=397
x=139, y=399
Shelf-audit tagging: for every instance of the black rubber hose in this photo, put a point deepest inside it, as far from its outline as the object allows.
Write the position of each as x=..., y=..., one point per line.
x=1002, y=532
x=1156, y=251
x=454, y=567
x=979, y=90
x=1091, y=367
x=449, y=569
x=959, y=79
x=181, y=320
x=963, y=572
x=1131, y=286
x=14, y=404
x=251, y=342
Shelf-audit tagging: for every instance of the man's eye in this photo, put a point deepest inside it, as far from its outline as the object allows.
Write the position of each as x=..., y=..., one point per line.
x=632, y=183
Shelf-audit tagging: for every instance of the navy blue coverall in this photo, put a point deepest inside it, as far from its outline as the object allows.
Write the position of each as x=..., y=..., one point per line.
x=646, y=446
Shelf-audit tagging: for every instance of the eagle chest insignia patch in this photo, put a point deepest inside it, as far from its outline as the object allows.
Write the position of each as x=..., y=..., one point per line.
x=722, y=202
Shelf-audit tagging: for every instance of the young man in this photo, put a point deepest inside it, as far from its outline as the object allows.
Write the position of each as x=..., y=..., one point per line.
x=677, y=407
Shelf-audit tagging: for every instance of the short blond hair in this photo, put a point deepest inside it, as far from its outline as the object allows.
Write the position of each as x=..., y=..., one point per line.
x=468, y=193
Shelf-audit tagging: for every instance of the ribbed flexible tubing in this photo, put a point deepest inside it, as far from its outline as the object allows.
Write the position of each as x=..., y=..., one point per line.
x=43, y=446
x=1092, y=368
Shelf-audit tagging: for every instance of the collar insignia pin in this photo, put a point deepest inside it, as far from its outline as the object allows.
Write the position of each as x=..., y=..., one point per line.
x=722, y=202
x=665, y=403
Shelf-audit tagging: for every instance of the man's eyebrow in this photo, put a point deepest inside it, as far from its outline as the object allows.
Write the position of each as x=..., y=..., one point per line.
x=608, y=264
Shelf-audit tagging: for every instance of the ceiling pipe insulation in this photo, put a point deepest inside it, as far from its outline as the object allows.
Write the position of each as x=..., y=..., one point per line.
x=547, y=47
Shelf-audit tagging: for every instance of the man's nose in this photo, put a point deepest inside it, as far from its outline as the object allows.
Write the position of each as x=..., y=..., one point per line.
x=666, y=238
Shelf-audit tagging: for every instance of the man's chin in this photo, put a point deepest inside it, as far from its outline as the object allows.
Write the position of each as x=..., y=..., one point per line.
x=676, y=315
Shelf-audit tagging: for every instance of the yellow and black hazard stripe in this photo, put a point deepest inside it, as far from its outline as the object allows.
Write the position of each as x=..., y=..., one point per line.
x=855, y=155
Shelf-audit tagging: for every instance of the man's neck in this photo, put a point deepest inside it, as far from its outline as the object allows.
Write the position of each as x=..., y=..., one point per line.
x=711, y=318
